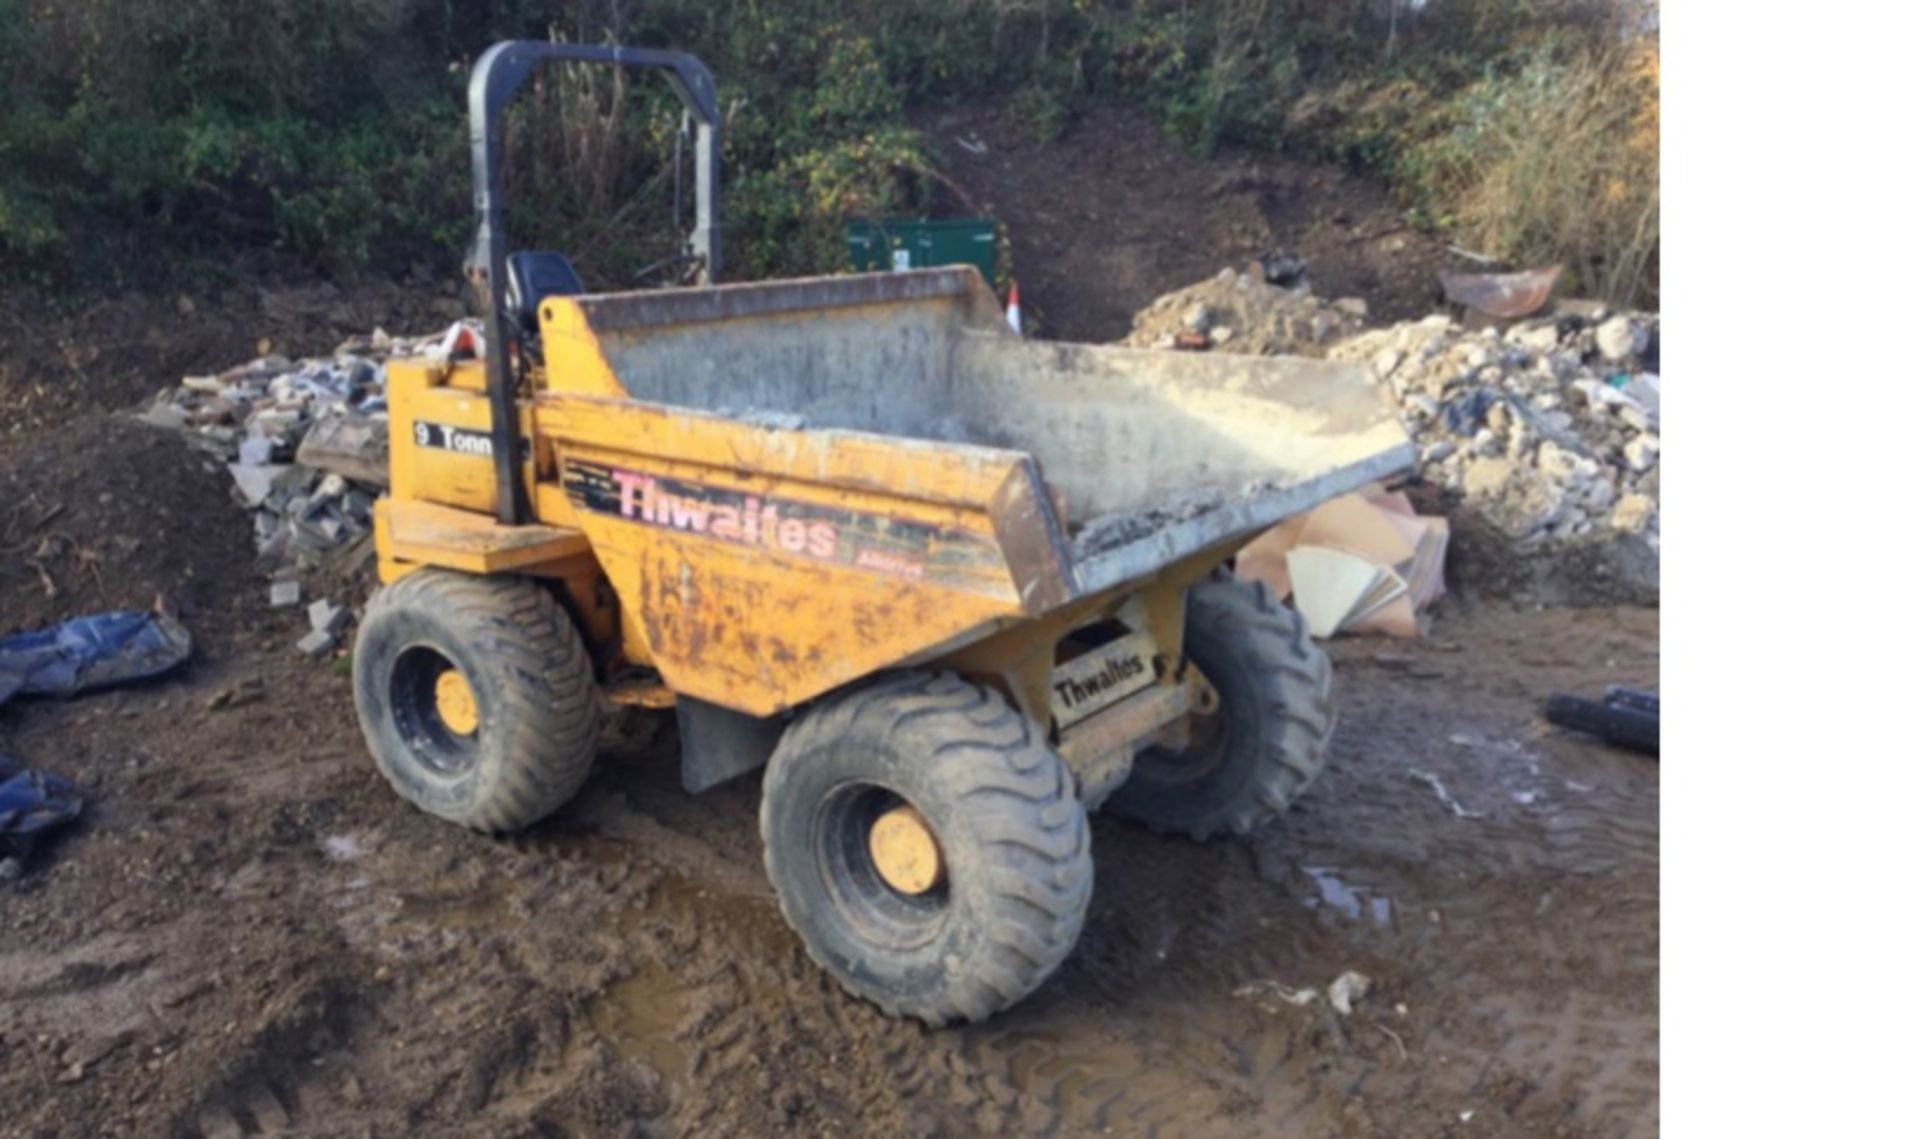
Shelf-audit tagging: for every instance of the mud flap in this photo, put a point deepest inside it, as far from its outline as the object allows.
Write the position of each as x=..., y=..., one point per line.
x=718, y=744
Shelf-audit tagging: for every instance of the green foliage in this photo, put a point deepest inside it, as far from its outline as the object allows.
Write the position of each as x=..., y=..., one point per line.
x=336, y=131
x=1044, y=111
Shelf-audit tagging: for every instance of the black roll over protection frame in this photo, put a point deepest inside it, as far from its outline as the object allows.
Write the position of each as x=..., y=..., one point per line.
x=497, y=76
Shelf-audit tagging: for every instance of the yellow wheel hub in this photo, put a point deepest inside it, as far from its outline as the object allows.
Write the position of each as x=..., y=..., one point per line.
x=905, y=852
x=453, y=699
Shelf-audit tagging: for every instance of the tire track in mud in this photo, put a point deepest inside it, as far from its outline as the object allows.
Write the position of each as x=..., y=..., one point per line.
x=1175, y=946
x=1151, y=1027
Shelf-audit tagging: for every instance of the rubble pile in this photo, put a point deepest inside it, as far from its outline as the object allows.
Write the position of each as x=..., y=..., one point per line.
x=1240, y=311
x=304, y=442
x=1544, y=435
x=1547, y=432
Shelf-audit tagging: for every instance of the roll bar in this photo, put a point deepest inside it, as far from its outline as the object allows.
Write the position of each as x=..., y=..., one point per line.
x=497, y=76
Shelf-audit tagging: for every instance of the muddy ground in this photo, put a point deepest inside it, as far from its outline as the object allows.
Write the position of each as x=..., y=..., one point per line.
x=249, y=934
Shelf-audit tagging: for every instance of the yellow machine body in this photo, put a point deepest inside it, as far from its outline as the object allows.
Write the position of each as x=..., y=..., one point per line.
x=753, y=495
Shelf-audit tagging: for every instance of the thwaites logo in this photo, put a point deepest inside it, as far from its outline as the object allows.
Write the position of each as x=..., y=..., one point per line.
x=1074, y=691
x=872, y=542
x=1099, y=679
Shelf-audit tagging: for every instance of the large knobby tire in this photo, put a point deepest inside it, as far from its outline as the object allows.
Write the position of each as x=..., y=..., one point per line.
x=1001, y=807
x=1251, y=756
x=519, y=741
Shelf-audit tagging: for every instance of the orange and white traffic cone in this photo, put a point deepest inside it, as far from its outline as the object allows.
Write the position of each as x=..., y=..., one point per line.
x=1013, y=308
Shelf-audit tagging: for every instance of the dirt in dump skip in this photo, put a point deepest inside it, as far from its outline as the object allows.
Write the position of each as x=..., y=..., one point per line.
x=249, y=934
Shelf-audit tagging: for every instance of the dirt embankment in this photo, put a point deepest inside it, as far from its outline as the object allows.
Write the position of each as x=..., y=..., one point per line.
x=65, y=357
x=109, y=513
x=1113, y=213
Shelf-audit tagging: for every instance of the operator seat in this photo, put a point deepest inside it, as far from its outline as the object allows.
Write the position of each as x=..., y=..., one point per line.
x=532, y=277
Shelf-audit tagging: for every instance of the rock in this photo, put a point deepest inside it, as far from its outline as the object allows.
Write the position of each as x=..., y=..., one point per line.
x=1425, y=406
x=12, y=869
x=1521, y=440
x=1437, y=452
x=255, y=483
x=316, y=644
x=1351, y=306
x=1619, y=338
x=1562, y=465
x=1642, y=453
x=1485, y=442
x=1632, y=514
x=1485, y=478
x=327, y=616
x=1219, y=334
x=1196, y=318
x=1586, y=311
x=1283, y=269
x=1535, y=337
x=1347, y=988
x=256, y=451
x=1499, y=418
x=1525, y=504
x=331, y=487
x=165, y=415
x=1385, y=361
x=283, y=594
x=1600, y=495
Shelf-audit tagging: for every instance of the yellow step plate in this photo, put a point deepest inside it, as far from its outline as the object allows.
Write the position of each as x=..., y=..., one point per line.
x=464, y=540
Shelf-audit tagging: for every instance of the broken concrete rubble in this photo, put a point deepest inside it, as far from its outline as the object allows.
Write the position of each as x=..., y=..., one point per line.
x=306, y=445
x=317, y=644
x=327, y=616
x=1241, y=312
x=1544, y=435
x=1544, y=430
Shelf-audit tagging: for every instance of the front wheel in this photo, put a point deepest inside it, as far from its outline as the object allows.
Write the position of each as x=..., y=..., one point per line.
x=476, y=696
x=1252, y=754
x=927, y=846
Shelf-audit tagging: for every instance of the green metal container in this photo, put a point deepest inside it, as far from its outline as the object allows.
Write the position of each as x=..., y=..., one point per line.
x=903, y=244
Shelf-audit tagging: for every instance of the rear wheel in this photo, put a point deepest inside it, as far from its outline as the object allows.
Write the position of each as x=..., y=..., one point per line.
x=927, y=846
x=1252, y=753
x=476, y=697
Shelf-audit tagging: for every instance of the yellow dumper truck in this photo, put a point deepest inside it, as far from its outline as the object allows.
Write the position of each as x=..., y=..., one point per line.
x=952, y=588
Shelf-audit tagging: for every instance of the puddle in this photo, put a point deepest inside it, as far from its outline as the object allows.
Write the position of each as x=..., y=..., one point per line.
x=1076, y=1080
x=1352, y=901
x=659, y=1017
x=641, y=1016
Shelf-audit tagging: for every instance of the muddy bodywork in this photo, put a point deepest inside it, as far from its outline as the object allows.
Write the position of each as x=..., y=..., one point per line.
x=789, y=486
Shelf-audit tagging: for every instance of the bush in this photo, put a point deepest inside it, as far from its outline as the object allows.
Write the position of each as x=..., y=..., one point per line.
x=1559, y=162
